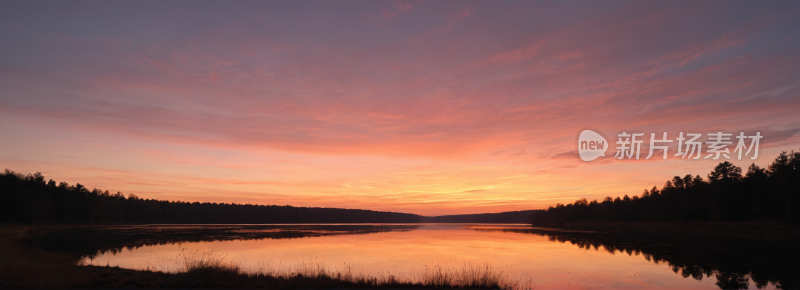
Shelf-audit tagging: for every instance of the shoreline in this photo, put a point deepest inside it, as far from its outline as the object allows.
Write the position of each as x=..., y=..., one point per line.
x=741, y=230
x=29, y=265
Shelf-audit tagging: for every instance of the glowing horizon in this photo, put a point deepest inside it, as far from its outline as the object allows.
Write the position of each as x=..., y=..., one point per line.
x=431, y=108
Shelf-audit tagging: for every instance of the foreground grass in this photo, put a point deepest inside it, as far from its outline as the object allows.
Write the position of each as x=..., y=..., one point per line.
x=207, y=269
x=29, y=267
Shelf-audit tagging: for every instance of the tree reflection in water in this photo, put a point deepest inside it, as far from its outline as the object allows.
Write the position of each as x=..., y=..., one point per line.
x=764, y=258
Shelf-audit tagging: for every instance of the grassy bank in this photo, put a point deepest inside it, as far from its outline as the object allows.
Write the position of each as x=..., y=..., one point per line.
x=33, y=267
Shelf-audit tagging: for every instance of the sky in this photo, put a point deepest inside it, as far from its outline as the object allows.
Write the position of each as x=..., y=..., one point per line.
x=425, y=107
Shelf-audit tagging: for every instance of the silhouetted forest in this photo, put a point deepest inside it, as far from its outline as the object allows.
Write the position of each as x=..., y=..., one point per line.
x=508, y=217
x=727, y=194
x=31, y=199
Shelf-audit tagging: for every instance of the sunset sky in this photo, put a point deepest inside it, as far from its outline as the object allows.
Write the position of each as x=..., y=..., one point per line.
x=437, y=107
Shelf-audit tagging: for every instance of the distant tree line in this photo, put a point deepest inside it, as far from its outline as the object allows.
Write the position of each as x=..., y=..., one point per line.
x=727, y=194
x=32, y=200
x=508, y=217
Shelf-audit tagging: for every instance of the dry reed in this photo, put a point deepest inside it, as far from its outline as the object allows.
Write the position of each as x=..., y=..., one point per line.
x=207, y=266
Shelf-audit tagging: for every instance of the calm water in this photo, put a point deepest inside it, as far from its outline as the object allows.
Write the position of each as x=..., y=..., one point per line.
x=550, y=260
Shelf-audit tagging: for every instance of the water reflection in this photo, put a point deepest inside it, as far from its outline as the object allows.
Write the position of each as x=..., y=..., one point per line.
x=552, y=259
x=733, y=262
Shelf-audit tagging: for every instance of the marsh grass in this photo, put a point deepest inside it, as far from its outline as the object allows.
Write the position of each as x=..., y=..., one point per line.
x=206, y=268
x=481, y=275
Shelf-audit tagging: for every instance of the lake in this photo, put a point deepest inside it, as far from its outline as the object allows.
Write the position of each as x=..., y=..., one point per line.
x=539, y=258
